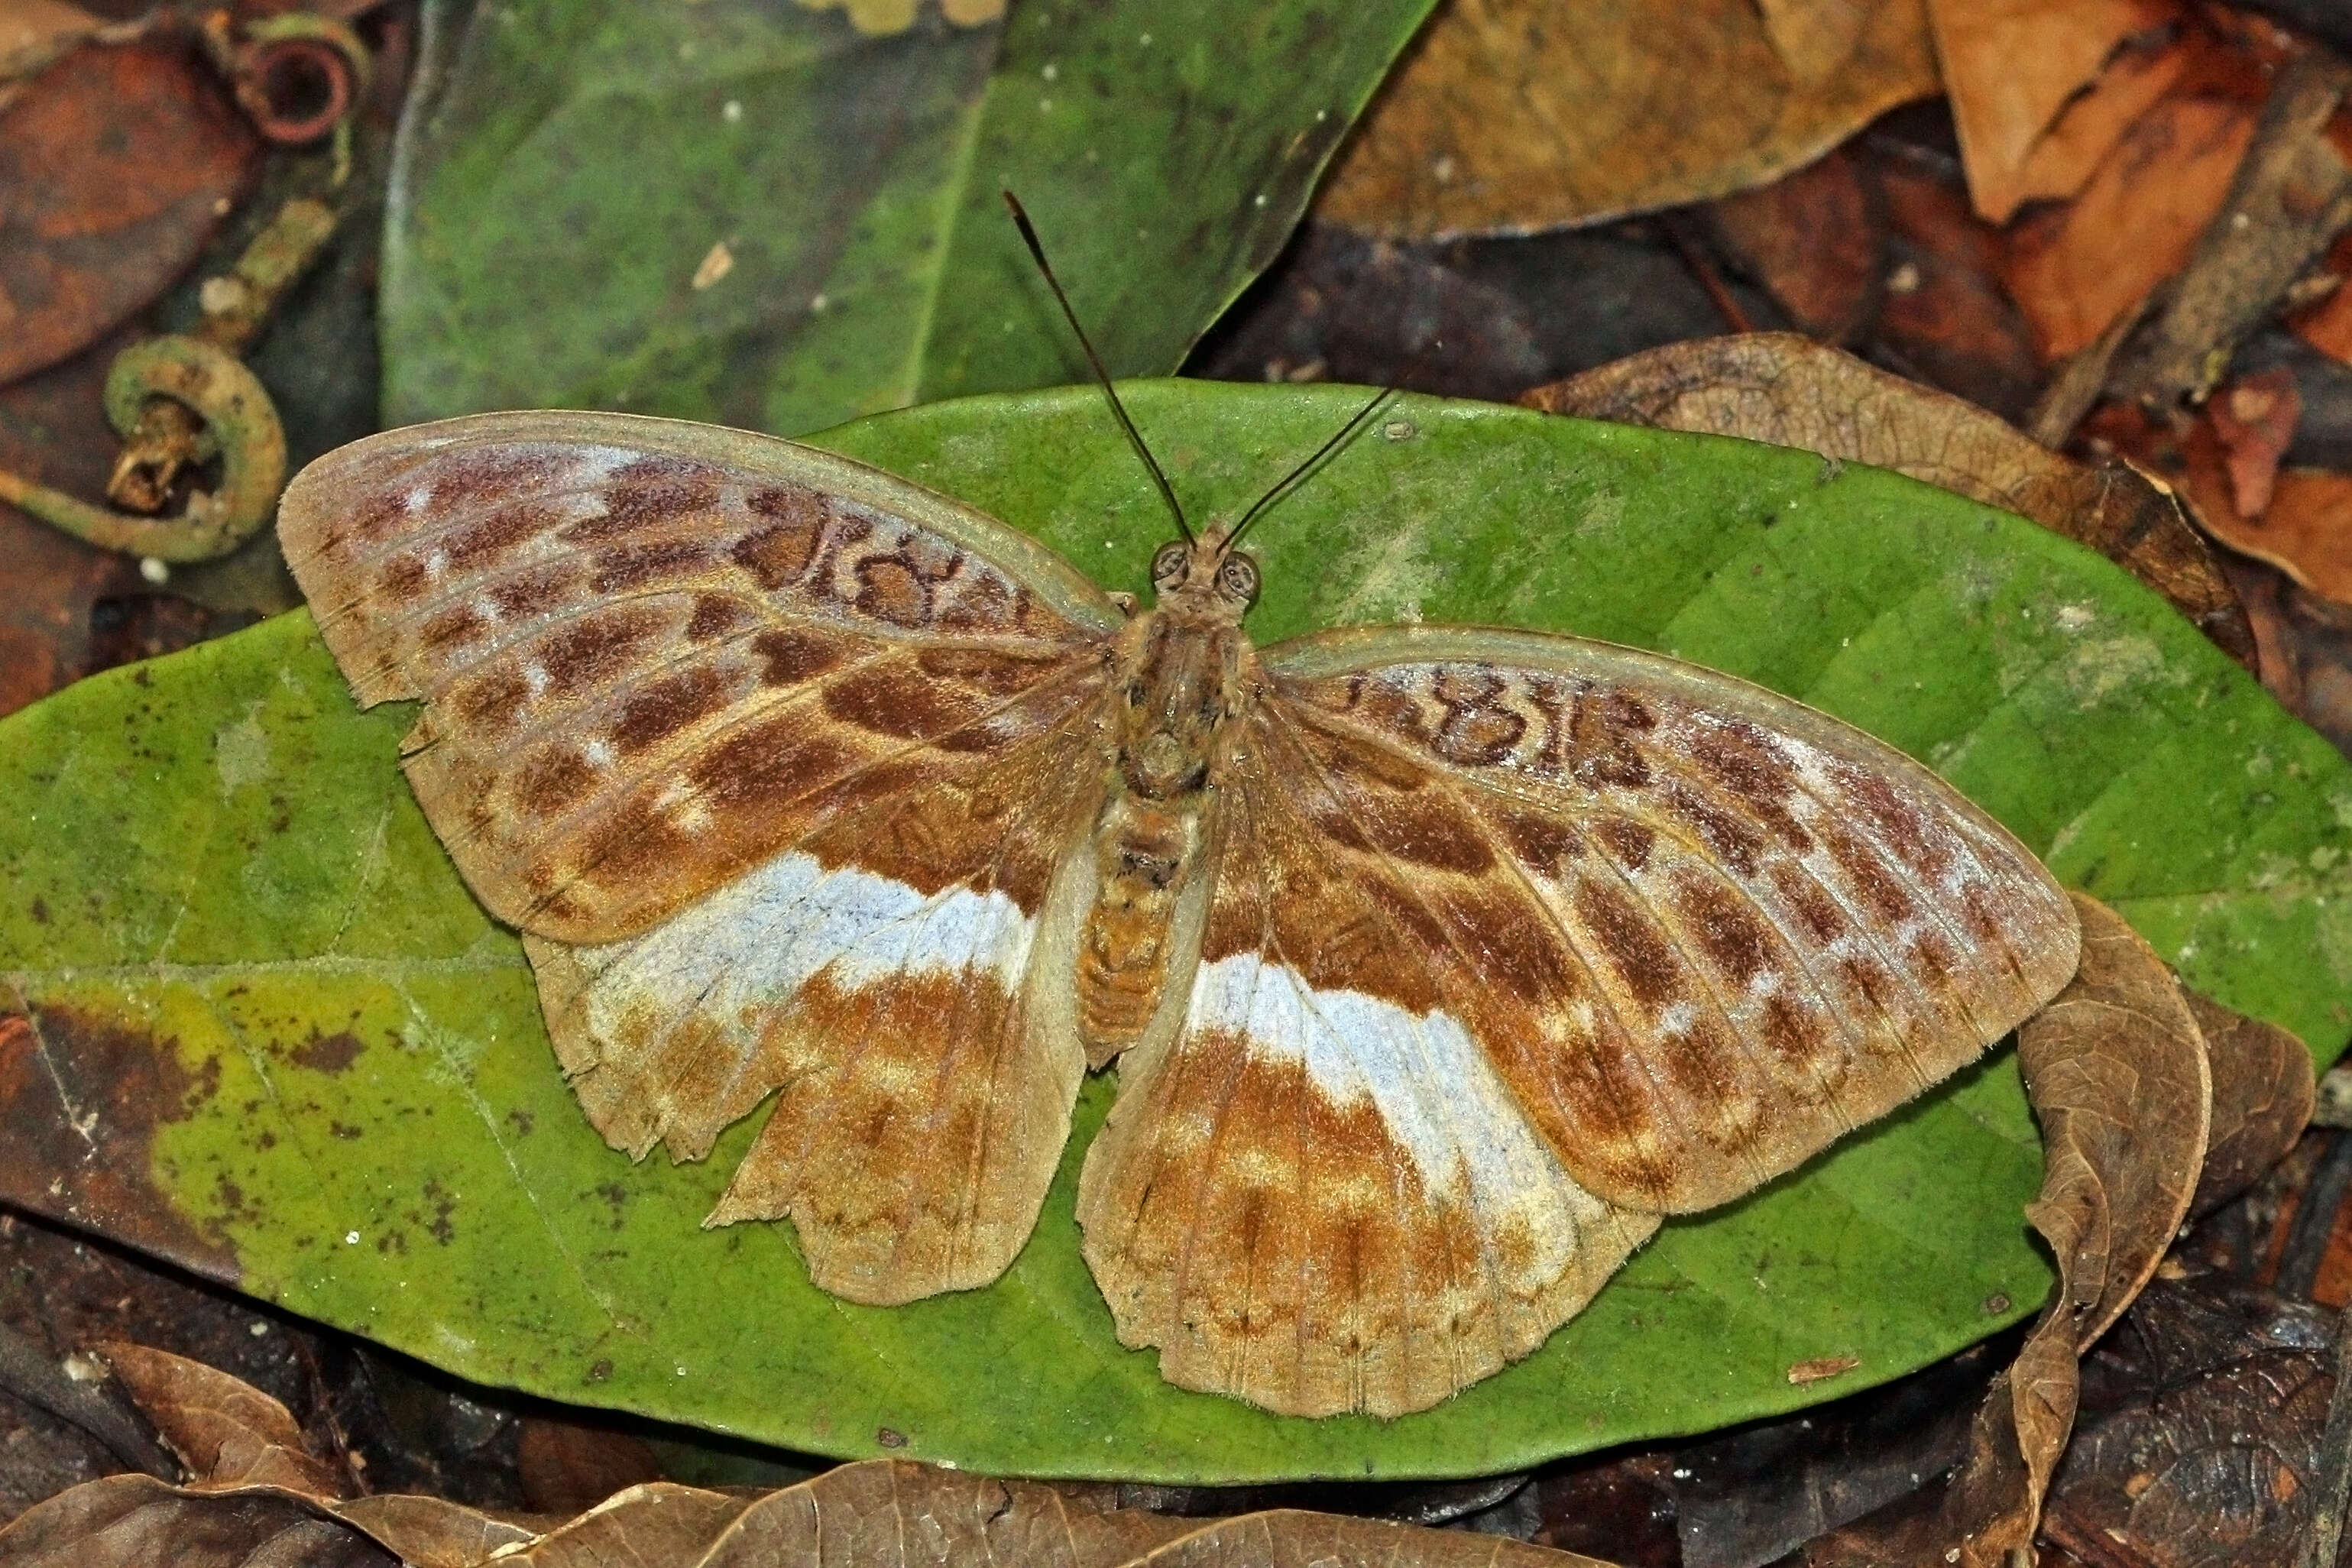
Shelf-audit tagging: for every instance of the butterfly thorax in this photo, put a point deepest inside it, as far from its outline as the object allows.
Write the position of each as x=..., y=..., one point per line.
x=1188, y=672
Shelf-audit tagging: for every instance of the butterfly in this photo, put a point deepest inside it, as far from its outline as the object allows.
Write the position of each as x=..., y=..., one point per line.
x=1438, y=962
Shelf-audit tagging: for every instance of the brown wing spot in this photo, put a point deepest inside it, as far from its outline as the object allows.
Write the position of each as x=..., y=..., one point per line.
x=1599, y=755
x=1704, y=1063
x=1627, y=711
x=472, y=547
x=452, y=628
x=534, y=593
x=892, y=700
x=1636, y=949
x=494, y=474
x=1541, y=843
x=1881, y=890
x=1627, y=839
x=1743, y=759
x=1899, y=822
x=1808, y=1052
x=788, y=656
x=1726, y=926
x=663, y=708
x=635, y=566
x=495, y=703
x=898, y=588
x=1818, y=912
x=1732, y=838
x=400, y=578
x=780, y=552
x=716, y=616
x=639, y=843
x=374, y=519
x=1476, y=731
x=987, y=603
x=594, y=649
x=646, y=492
x=1428, y=830
x=554, y=779
x=771, y=763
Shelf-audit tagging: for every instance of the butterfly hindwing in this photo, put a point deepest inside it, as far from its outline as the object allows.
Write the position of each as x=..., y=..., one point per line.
x=1318, y=1194
x=651, y=654
x=905, y=980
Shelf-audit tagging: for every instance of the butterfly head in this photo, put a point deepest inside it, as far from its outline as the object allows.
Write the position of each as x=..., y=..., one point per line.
x=1201, y=576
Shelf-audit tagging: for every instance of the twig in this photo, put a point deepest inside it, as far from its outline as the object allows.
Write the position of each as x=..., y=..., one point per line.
x=2292, y=194
x=2334, y=1467
x=2314, y=1219
x=33, y=1375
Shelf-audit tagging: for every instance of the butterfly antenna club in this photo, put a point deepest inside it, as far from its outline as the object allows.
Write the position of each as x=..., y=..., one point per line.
x=1038, y=254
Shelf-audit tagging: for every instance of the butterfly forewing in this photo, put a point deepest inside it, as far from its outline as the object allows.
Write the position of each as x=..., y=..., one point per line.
x=773, y=758
x=654, y=654
x=1699, y=929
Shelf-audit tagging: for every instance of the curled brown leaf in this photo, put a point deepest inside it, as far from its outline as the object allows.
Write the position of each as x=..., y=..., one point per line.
x=2263, y=1091
x=2117, y=1071
x=885, y=1514
x=1791, y=390
x=225, y=1431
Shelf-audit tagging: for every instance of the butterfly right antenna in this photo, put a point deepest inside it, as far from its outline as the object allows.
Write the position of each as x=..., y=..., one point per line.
x=1037, y=253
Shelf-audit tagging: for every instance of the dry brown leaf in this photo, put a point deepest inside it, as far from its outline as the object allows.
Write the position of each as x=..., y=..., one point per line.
x=1509, y=116
x=2073, y=269
x=2255, y=419
x=2117, y=1071
x=2263, y=1088
x=226, y=1432
x=1945, y=310
x=2011, y=66
x=1810, y=237
x=2325, y=324
x=2306, y=531
x=1782, y=388
x=118, y=164
x=2140, y=72
x=883, y=1513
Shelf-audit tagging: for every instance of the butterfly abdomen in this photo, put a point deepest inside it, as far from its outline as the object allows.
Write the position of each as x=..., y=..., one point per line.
x=1144, y=854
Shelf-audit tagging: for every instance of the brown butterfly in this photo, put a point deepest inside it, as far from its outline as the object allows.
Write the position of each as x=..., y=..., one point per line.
x=1440, y=962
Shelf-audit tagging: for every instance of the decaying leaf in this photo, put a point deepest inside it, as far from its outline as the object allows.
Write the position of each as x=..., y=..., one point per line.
x=1810, y=237
x=227, y=1432
x=2011, y=67
x=257, y=1498
x=2263, y=1090
x=1514, y=115
x=2118, y=1077
x=2199, y=1445
x=119, y=164
x=2074, y=268
x=2305, y=527
x=1786, y=389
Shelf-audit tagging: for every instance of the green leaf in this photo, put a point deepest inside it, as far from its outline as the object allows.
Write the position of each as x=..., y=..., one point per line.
x=273, y=1038
x=569, y=168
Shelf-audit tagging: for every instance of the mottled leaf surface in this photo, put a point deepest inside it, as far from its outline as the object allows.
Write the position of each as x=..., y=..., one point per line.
x=784, y=216
x=275, y=1037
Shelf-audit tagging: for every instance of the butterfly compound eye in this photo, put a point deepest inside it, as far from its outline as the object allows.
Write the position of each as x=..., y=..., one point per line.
x=1237, y=579
x=1168, y=566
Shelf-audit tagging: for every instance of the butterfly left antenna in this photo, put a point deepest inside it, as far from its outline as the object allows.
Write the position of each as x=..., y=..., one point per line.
x=1038, y=254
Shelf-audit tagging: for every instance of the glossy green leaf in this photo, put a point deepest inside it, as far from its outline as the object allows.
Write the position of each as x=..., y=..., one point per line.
x=756, y=213
x=275, y=1038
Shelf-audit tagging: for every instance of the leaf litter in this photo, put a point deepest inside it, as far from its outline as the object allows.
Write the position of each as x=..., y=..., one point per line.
x=1960, y=282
